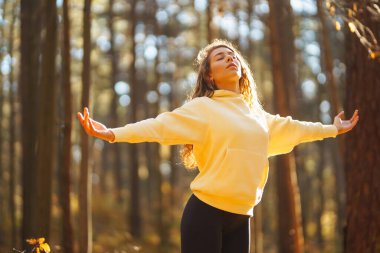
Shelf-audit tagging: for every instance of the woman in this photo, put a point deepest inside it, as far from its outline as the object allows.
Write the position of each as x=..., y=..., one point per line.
x=228, y=137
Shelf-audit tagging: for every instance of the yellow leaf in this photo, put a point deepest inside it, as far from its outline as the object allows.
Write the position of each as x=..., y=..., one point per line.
x=31, y=241
x=45, y=247
x=349, y=13
x=37, y=250
x=41, y=240
x=337, y=25
x=351, y=26
x=375, y=54
x=355, y=7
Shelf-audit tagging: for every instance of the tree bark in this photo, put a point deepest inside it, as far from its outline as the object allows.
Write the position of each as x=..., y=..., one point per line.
x=3, y=193
x=361, y=159
x=134, y=205
x=113, y=110
x=336, y=147
x=210, y=29
x=12, y=135
x=85, y=203
x=46, y=120
x=29, y=69
x=67, y=239
x=290, y=229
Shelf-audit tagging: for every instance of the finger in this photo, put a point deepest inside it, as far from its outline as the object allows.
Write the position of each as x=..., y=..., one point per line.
x=91, y=123
x=354, y=115
x=85, y=112
x=80, y=116
x=355, y=121
x=86, y=115
x=340, y=115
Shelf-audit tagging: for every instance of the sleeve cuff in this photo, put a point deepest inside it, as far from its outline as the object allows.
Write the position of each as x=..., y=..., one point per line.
x=330, y=130
x=119, y=131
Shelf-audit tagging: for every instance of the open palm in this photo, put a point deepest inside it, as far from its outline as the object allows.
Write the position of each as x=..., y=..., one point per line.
x=94, y=128
x=344, y=126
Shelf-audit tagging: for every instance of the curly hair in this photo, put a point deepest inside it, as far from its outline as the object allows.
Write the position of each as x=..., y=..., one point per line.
x=205, y=87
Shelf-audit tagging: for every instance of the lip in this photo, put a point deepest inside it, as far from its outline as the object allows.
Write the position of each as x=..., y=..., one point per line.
x=232, y=65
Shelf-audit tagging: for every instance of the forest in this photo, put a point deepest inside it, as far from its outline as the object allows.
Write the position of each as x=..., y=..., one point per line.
x=129, y=60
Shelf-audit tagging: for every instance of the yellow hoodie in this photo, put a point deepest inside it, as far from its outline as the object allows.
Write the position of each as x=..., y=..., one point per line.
x=231, y=145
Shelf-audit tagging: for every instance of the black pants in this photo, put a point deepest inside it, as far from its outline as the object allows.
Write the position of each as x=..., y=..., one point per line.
x=206, y=229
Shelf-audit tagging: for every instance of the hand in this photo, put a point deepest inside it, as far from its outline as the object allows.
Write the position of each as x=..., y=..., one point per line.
x=344, y=126
x=95, y=128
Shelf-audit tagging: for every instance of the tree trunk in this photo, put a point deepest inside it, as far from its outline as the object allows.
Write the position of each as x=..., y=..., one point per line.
x=134, y=205
x=321, y=195
x=3, y=193
x=290, y=230
x=257, y=228
x=113, y=110
x=29, y=70
x=336, y=146
x=67, y=239
x=46, y=119
x=210, y=27
x=85, y=213
x=12, y=135
x=361, y=159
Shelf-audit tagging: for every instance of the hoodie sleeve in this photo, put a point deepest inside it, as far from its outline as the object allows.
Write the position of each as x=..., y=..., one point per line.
x=285, y=133
x=184, y=125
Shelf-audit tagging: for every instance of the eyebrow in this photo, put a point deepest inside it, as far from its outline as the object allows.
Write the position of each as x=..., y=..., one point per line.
x=230, y=53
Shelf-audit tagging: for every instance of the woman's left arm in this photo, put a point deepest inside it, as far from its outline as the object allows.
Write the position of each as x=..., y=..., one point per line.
x=285, y=133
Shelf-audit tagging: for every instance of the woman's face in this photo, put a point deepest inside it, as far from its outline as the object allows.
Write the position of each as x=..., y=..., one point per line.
x=225, y=68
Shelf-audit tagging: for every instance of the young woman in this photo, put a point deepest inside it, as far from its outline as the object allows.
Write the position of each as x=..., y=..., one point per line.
x=228, y=137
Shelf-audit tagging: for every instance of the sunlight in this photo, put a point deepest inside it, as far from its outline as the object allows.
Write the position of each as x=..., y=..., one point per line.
x=6, y=65
x=304, y=7
x=124, y=100
x=309, y=88
x=200, y=5
x=321, y=77
x=150, y=53
x=122, y=88
x=152, y=97
x=324, y=106
x=164, y=88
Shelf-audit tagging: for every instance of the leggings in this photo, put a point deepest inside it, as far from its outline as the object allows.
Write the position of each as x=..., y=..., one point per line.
x=206, y=229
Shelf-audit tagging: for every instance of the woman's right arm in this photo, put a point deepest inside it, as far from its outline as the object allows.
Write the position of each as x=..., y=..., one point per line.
x=95, y=128
x=185, y=125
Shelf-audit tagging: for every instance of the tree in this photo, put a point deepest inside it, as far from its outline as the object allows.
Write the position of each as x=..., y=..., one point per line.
x=327, y=64
x=28, y=89
x=46, y=127
x=281, y=37
x=12, y=134
x=2, y=181
x=134, y=205
x=38, y=128
x=361, y=157
x=113, y=108
x=65, y=144
x=85, y=214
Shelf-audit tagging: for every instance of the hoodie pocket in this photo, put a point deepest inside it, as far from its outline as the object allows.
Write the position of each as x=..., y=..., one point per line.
x=240, y=175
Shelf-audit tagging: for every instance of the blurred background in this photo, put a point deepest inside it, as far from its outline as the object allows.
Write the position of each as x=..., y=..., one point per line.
x=128, y=60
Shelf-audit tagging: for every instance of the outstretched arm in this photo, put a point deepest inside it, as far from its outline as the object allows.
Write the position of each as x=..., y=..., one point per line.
x=344, y=126
x=184, y=125
x=285, y=133
x=95, y=128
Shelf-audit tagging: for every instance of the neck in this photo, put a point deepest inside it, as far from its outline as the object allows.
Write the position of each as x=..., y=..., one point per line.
x=230, y=86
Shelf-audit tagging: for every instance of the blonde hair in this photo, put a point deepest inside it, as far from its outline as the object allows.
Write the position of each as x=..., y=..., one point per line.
x=205, y=87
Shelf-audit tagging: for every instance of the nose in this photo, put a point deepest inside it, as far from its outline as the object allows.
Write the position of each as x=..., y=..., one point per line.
x=229, y=58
